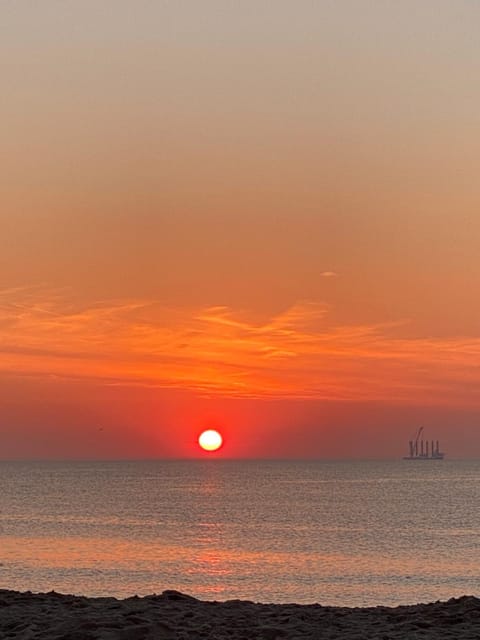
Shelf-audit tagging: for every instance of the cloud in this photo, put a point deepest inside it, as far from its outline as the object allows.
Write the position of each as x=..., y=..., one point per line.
x=216, y=350
x=329, y=274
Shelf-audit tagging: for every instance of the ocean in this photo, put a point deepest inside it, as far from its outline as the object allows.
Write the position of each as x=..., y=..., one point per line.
x=342, y=533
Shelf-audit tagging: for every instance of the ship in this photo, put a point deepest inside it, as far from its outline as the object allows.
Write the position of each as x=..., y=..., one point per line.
x=423, y=449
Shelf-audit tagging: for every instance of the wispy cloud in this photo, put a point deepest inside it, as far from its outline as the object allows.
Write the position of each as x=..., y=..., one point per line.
x=294, y=354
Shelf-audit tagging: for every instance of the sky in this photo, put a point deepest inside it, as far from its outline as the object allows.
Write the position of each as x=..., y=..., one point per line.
x=256, y=216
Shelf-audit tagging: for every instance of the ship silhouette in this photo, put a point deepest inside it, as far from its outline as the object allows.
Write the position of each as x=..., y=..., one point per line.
x=423, y=449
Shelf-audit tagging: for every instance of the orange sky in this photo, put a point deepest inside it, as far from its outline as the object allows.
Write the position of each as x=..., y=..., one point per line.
x=227, y=214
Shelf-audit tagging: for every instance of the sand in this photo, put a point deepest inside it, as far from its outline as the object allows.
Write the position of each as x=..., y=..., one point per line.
x=52, y=616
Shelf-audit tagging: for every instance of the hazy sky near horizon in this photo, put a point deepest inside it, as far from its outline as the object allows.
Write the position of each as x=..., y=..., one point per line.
x=259, y=216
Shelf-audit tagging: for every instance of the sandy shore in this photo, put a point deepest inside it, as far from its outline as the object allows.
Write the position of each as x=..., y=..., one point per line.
x=51, y=616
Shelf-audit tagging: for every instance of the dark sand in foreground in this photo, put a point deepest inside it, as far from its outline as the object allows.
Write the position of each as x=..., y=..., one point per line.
x=52, y=616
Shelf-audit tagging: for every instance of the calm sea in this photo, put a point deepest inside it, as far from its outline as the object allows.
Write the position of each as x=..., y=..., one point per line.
x=338, y=533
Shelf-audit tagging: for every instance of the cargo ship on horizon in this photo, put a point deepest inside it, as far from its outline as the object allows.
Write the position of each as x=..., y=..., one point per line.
x=423, y=449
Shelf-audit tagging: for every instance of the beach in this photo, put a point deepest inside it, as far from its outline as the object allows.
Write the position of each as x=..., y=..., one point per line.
x=53, y=616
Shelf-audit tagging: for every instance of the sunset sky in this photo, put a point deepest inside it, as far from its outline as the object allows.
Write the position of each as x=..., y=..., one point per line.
x=257, y=216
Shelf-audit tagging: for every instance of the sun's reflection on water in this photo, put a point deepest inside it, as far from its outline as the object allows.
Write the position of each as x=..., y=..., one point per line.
x=85, y=565
x=241, y=532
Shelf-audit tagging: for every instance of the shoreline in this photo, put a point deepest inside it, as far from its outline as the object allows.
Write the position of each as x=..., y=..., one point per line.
x=177, y=616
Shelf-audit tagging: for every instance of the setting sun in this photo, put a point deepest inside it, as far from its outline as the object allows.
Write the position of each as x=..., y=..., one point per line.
x=210, y=440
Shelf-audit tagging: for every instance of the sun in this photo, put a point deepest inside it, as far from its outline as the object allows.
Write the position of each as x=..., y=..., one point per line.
x=210, y=440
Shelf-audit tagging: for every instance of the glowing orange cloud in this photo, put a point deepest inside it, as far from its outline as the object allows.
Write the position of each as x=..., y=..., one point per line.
x=215, y=350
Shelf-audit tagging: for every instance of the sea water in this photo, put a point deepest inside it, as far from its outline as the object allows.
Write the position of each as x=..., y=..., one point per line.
x=337, y=533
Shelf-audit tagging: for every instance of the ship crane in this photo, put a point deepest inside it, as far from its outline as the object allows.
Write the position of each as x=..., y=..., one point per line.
x=414, y=443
